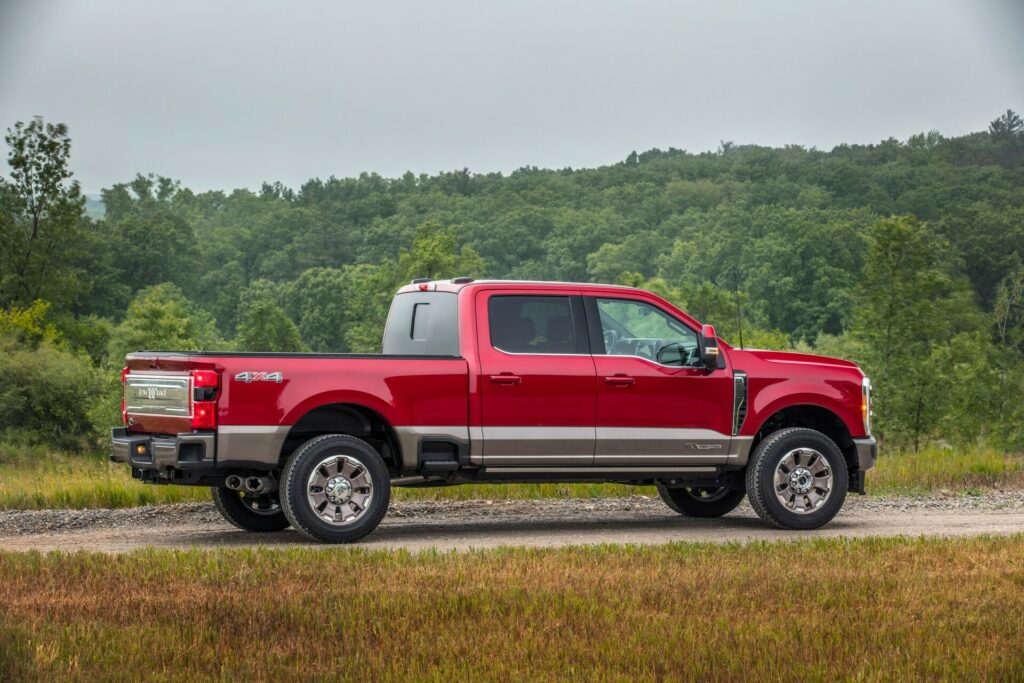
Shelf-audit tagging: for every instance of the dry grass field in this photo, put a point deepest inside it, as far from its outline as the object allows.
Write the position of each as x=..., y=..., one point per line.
x=36, y=478
x=897, y=609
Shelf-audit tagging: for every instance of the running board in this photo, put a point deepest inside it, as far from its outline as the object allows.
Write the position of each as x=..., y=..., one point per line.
x=591, y=473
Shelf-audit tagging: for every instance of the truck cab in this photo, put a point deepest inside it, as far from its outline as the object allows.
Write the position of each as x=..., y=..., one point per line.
x=503, y=381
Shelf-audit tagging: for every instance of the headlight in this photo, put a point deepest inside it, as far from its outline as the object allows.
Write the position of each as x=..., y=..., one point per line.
x=865, y=404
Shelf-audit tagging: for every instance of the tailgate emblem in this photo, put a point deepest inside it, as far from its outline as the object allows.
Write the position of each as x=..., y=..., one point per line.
x=249, y=377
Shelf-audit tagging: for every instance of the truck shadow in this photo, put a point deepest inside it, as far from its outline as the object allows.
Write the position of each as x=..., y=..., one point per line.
x=449, y=534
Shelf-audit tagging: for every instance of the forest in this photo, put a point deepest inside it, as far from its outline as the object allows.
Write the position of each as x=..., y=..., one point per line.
x=906, y=256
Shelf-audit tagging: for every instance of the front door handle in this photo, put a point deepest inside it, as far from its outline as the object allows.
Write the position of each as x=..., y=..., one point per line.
x=620, y=380
x=506, y=378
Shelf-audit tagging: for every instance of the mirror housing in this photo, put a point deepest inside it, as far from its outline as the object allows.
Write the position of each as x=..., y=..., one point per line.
x=709, y=351
x=671, y=354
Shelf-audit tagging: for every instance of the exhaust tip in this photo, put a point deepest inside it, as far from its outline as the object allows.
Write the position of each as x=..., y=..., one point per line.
x=254, y=484
x=233, y=482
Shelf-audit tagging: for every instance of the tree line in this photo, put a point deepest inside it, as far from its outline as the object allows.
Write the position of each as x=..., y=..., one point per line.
x=905, y=256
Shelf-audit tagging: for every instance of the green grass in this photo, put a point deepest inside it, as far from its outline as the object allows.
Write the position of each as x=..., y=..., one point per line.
x=875, y=609
x=37, y=478
x=935, y=469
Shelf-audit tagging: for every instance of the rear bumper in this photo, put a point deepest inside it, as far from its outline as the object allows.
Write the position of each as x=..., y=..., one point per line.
x=187, y=451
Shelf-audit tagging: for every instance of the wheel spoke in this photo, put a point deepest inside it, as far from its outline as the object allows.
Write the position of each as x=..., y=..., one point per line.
x=339, y=489
x=803, y=480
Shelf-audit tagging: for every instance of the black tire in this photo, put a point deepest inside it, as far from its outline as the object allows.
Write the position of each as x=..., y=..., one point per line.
x=701, y=501
x=236, y=507
x=342, y=451
x=761, y=479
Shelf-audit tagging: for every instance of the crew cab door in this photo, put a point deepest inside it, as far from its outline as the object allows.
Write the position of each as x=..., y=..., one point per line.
x=656, y=402
x=537, y=382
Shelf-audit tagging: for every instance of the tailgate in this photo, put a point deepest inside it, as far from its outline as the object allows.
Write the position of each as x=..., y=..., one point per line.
x=158, y=394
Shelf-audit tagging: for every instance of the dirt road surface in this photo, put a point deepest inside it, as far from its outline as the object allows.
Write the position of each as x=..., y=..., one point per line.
x=463, y=525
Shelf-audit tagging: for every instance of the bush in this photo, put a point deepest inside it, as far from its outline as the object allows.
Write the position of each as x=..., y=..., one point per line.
x=47, y=394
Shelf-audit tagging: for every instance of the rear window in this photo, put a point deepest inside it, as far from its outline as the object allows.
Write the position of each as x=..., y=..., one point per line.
x=423, y=324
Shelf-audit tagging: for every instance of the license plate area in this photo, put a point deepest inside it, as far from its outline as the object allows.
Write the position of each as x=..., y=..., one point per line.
x=158, y=395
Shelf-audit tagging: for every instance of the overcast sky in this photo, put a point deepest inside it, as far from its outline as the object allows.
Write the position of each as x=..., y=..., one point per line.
x=230, y=94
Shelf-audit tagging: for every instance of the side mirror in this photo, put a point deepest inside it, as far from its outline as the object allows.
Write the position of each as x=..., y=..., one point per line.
x=672, y=354
x=709, y=347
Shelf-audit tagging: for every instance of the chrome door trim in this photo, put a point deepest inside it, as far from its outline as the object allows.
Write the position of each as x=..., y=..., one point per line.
x=545, y=446
x=624, y=445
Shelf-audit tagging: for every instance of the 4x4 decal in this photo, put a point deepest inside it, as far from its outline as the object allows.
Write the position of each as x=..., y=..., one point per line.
x=249, y=377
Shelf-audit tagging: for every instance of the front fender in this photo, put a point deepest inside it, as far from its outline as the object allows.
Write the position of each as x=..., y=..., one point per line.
x=839, y=397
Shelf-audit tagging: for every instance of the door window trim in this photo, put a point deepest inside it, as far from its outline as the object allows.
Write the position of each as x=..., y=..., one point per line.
x=597, y=334
x=577, y=318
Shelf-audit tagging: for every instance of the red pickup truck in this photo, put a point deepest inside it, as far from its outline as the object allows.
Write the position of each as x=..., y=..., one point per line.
x=502, y=381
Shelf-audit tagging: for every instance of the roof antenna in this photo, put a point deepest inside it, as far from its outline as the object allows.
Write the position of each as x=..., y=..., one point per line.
x=739, y=304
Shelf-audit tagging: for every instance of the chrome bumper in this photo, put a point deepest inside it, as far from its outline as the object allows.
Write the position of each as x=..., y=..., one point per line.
x=867, y=453
x=190, y=450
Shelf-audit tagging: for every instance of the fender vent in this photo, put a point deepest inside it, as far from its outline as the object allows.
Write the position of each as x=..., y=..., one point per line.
x=739, y=401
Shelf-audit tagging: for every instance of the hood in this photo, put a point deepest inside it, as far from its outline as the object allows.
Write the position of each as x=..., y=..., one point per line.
x=792, y=357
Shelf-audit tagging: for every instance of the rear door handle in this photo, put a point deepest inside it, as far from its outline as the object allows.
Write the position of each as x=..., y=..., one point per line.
x=506, y=378
x=620, y=380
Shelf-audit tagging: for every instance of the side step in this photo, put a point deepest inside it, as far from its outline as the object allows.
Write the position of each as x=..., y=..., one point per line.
x=585, y=474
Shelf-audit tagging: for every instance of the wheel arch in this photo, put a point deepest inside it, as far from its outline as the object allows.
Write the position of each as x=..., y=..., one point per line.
x=353, y=419
x=812, y=416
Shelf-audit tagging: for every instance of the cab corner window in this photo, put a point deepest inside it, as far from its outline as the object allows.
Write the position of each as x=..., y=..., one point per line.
x=532, y=324
x=636, y=328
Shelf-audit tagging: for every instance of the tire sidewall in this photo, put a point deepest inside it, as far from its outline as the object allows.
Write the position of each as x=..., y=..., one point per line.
x=768, y=456
x=681, y=501
x=296, y=476
x=229, y=504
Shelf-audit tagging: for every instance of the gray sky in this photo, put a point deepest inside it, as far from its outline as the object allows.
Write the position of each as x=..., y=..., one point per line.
x=229, y=94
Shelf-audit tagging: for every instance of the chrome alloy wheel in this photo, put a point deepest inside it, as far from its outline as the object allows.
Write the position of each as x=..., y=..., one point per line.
x=339, y=489
x=803, y=480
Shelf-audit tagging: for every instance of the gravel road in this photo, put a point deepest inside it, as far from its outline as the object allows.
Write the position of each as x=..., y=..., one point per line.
x=462, y=525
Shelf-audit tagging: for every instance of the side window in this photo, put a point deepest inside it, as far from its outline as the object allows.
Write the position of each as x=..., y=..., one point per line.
x=635, y=328
x=532, y=324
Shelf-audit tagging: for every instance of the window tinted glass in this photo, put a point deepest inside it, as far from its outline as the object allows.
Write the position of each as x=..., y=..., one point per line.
x=634, y=328
x=420, y=321
x=532, y=324
x=423, y=324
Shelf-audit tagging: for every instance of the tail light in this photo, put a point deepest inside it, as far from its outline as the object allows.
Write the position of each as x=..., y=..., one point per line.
x=124, y=409
x=204, y=395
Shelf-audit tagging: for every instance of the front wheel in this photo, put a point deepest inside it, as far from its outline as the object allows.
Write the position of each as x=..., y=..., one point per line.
x=797, y=479
x=248, y=511
x=335, y=488
x=699, y=501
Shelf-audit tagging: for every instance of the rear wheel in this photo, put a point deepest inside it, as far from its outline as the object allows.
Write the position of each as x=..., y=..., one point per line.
x=700, y=501
x=249, y=511
x=797, y=479
x=335, y=488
